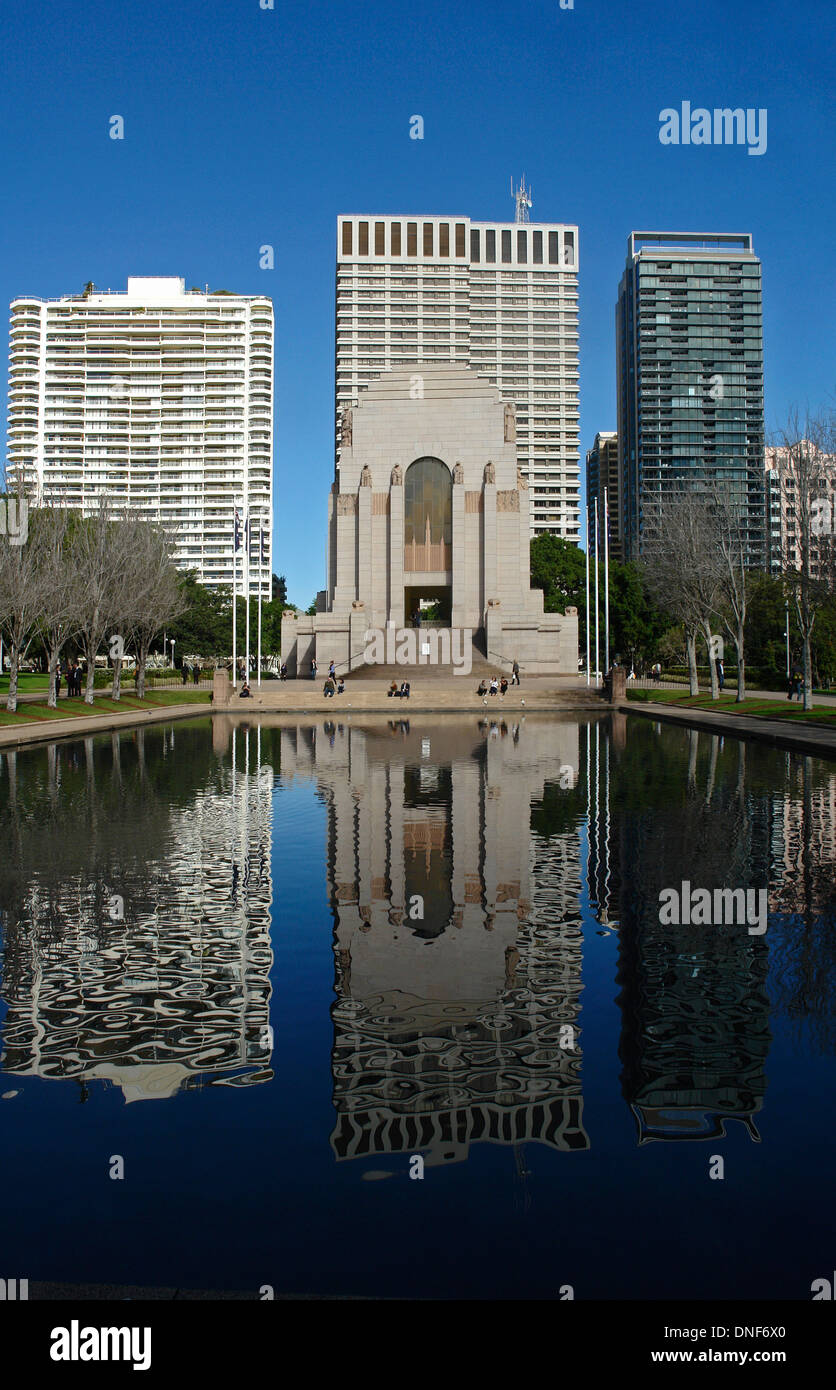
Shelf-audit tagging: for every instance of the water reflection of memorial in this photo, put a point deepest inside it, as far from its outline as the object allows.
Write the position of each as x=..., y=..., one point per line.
x=176, y=994
x=447, y=1026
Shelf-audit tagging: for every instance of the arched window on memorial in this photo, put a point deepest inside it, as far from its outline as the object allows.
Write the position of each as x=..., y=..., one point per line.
x=428, y=516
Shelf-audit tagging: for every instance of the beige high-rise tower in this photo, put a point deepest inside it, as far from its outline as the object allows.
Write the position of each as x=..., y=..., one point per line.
x=500, y=298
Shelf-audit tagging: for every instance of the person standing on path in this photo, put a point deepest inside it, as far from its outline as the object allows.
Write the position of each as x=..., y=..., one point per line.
x=721, y=674
x=515, y=673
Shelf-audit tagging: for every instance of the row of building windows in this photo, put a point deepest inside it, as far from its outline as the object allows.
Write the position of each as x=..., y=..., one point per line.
x=452, y=240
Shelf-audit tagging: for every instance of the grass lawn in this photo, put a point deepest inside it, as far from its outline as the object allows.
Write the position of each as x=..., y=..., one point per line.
x=27, y=684
x=761, y=709
x=38, y=711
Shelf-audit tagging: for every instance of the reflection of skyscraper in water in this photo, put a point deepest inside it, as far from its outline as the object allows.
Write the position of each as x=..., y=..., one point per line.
x=802, y=902
x=451, y=992
x=695, y=1011
x=177, y=993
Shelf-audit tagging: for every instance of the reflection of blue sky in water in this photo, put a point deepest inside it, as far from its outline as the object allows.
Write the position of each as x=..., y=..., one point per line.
x=391, y=1036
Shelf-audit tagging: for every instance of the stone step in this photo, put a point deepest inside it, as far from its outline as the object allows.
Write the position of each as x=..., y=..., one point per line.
x=455, y=695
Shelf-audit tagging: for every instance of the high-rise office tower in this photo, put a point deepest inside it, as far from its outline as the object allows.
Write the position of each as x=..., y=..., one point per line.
x=500, y=298
x=689, y=354
x=158, y=399
x=601, y=488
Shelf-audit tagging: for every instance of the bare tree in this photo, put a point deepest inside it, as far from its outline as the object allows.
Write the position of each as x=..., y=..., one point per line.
x=21, y=600
x=810, y=448
x=732, y=594
x=680, y=568
x=97, y=556
x=124, y=594
x=157, y=598
x=59, y=594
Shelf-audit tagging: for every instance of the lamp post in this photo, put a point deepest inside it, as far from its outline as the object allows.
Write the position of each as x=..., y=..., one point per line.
x=787, y=633
x=173, y=640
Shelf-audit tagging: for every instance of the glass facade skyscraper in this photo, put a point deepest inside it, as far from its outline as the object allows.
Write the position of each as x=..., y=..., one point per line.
x=689, y=350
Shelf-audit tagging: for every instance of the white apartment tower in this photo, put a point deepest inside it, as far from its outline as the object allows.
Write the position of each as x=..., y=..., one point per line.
x=496, y=297
x=159, y=399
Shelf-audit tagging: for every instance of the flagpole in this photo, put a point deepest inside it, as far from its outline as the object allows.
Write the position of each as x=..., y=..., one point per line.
x=235, y=598
x=247, y=601
x=260, y=584
x=587, y=613
x=597, y=601
x=606, y=581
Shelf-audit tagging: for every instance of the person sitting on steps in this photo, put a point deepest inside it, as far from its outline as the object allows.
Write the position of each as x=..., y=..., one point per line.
x=482, y=689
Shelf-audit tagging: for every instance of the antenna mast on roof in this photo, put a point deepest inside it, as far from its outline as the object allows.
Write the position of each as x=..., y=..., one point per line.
x=522, y=197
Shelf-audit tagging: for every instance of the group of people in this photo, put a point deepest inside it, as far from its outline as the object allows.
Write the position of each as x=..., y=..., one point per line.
x=73, y=675
x=193, y=671
x=398, y=692
x=333, y=687
x=495, y=686
x=498, y=685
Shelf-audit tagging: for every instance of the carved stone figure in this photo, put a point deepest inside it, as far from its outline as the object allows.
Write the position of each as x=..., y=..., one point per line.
x=490, y=472
x=510, y=422
x=396, y=479
x=522, y=481
x=346, y=428
x=366, y=476
x=458, y=473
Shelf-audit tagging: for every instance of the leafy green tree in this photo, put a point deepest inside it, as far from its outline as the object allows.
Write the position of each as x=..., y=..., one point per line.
x=636, y=622
x=205, y=628
x=559, y=569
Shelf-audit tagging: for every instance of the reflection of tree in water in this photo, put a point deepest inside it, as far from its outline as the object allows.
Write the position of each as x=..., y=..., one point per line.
x=695, y=1031
x=181, y=982
x=696, y=1000
x=82, y=821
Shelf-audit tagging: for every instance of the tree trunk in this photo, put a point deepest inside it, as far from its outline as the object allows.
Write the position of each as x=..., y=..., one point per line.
x=52, y=668
x=808, y=693
x=142, y=658
x=691, y=648
x=712, y=669
x=14, y=663
x=91, y=680
x=741, y=663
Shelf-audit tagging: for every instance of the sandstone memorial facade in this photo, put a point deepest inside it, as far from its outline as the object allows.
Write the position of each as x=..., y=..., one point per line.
x=428, y=506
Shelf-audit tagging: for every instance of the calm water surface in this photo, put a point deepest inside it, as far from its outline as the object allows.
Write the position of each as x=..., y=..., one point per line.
x=269, y=964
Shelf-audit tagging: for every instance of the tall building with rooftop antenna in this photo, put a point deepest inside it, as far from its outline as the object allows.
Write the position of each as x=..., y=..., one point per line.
x=500, y=298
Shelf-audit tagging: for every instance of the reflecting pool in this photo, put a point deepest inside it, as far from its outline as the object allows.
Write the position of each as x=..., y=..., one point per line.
x=389, y=1008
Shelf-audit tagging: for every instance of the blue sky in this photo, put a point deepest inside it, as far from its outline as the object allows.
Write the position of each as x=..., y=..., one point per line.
x=246, y=126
